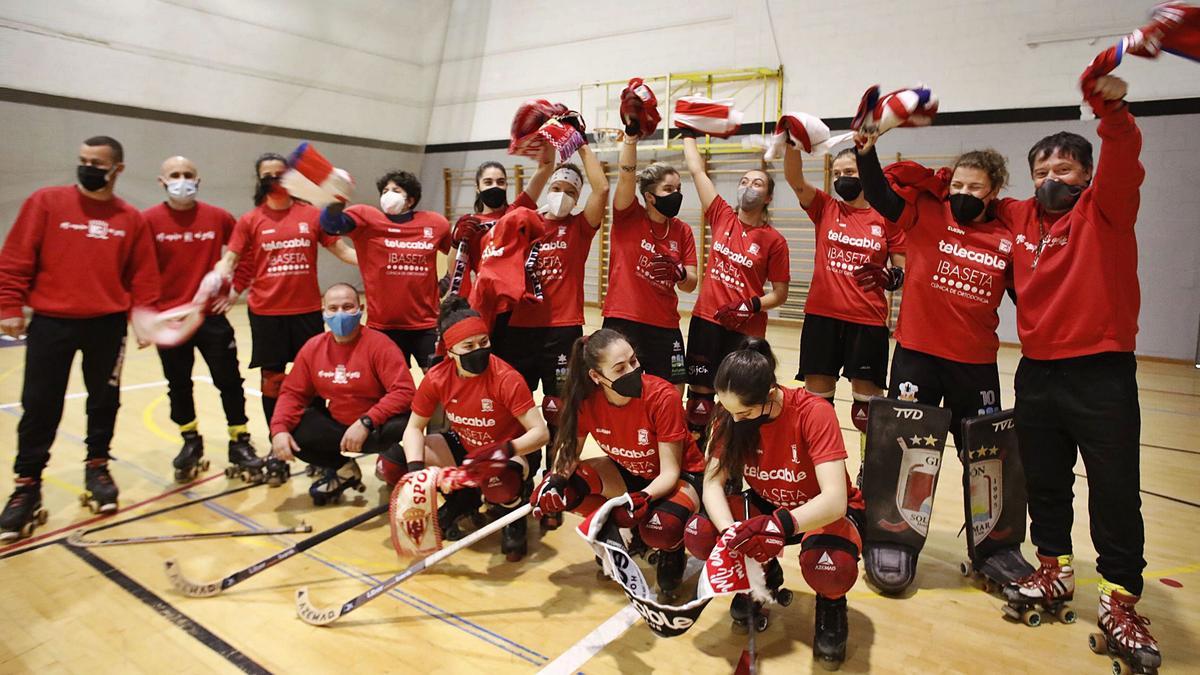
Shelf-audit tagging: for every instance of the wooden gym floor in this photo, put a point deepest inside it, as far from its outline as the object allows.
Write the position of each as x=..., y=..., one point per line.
x=113, y=610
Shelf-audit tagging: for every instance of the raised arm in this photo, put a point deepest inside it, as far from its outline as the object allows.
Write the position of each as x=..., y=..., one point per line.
x=695, y=164
x=793, y=172
x=537, y=182
x=626, y=174
x=597, y=202
x=879, y=194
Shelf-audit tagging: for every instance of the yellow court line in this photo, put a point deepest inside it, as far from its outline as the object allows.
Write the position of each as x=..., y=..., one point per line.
x=50, y=479
x=153, y=426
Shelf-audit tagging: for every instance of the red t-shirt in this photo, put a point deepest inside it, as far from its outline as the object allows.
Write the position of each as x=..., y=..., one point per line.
x=483, y=409
x=188, y=244
x=561, y=264
x=740, y=263
x=368, y=376
x=1083, y=297
x=634, y=240
x=399, y=266
x=283, y=245
x=847, y=237
x=954, y=280
x=782, y=469
x=75, y=257
x=630, y=434
x=475, y=248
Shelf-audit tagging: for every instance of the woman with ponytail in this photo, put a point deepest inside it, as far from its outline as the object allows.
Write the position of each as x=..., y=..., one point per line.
x=492, y=419
x=787, y=446
x=637, y=420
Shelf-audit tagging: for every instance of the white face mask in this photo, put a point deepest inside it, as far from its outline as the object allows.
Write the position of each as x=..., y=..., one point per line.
x=392, y=203
x=559, y=204
x=182, y=190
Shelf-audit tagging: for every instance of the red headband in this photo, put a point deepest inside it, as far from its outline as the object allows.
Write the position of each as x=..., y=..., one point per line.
x=464, y=329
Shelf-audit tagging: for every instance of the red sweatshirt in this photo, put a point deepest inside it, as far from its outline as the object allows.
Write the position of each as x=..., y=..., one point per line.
x=368, y=376
x=75, y=257
x=1080, y=296
x=188, y=244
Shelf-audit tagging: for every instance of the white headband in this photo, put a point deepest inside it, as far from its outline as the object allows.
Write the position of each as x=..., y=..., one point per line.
x=567, y=175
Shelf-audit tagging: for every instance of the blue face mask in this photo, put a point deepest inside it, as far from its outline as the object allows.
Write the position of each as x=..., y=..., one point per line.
x=342, y=323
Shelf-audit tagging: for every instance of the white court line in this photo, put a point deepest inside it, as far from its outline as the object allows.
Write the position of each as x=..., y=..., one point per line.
x=81, y=394
x=570, y=661
x=145, y=385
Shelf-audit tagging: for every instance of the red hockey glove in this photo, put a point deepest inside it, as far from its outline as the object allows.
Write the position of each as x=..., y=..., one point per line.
x=763, y=537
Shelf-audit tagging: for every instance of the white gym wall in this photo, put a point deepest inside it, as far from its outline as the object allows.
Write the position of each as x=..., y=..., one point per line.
x=373, y=81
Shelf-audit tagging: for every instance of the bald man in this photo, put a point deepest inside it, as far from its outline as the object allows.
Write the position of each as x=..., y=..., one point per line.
x=188, y=237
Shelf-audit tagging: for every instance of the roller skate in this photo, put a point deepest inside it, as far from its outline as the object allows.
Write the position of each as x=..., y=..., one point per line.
x=1001, y=568
x=190, y=460
x=550, y=521
x=463, y=503
x=23, y=512
x=1124, y=634
x=276, y=471
x=1048, y=589
x=99, y=492
x=743, y=610
x=830, y=632
x=329, y=488
x=668, y=572
x=773, y=572
x=243, y=463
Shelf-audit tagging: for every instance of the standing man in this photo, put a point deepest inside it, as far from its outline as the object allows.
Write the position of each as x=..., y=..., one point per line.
x=1075, y=271
x=188, y=238
x=81, y=258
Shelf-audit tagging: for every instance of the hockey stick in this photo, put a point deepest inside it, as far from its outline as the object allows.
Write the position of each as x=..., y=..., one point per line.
x=77, y=537
x=751, y=654
x=207, y=590
x=325, y=616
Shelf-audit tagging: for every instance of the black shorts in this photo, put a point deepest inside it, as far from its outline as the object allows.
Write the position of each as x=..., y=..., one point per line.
x=968, y=389
x=835, y=347
x=275, y=340
x=634, y=482
x=457, y=450
x=659, y=350
x=708, y=344
x=418, y=345
x=539, y=354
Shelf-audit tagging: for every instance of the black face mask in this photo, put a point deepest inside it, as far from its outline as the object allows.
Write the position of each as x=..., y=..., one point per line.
x=476, y=361
x=494, y=197
x=965, y=207
x=668, y=205
x=1056, y=196
x=755, y=423
x=92, y=178
x=848, y=187
x=628, y=385
x=264, y=187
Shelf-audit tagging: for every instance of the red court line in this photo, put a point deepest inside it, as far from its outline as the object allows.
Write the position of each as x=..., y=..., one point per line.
x=46, y=535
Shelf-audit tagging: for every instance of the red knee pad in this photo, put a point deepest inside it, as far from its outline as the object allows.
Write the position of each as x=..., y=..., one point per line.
x=858, y=414
x=699, y=411
x=700, y=536
x=551, y=405
x=829, y=558
x=663, y=528
x=504, y=488
x=589, y=504
x=272, y=383
x=389, y=470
